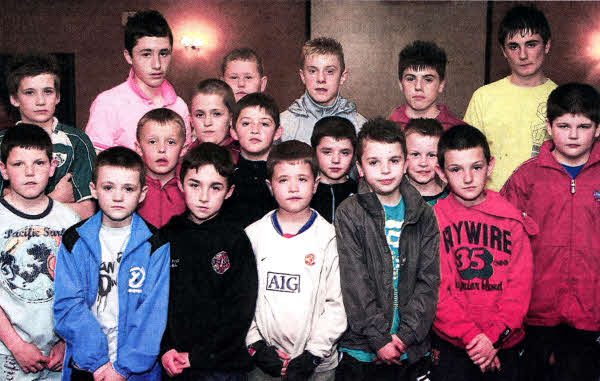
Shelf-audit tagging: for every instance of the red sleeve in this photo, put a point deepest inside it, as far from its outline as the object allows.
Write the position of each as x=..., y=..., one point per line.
x=514, y=302
x=514, y=190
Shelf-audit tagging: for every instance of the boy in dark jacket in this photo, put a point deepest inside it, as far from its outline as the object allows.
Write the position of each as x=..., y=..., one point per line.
x=334, y=142
x=388, y=241
x=560, y=190
x=486, y=267
x=214, y=280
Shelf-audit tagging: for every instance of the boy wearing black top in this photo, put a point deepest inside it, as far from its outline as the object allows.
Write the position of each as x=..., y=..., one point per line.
x=214, y=280
x=334, y=142
x=256, y=126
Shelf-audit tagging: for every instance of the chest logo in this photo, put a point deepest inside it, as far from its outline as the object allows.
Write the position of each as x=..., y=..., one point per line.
x=597, y=196
x=220, y=262
x=61, y=158
x=282, y=282
x=309, y=259
x=137, y=275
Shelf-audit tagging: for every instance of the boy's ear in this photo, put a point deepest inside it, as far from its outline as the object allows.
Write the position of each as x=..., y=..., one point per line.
x=14, y=101
x=400, y=86
x=230, y=191
x=549, y=127
x=547, y=47
x=3, y=171
x=263, y=84
x=127, y=56
x=143, y=194
x=53, y=165
x=278, y=133
x=268, y=182
x=491, y=165
x=93, y=190
x=316, y=184
x=597, y=133
x=179, y=184
x=359, y=167
x=301, y=72
x=138, y=148
x=343, y=77
x=442, y=86
x=440, y=173
x=184, y=150
x=233, y=133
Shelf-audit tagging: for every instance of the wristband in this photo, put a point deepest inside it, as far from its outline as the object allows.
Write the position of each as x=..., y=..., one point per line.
x=502, y=338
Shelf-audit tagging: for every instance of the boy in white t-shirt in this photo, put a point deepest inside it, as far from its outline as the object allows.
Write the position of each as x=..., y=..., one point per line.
x=31, y=228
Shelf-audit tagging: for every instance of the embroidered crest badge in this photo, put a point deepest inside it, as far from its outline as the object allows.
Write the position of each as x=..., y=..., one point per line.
x=597, y=196
x=220, y=262
x=309, y=259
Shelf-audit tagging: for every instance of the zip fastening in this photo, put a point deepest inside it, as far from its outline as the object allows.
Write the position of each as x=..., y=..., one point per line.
x=572, y=186
x=333, y=203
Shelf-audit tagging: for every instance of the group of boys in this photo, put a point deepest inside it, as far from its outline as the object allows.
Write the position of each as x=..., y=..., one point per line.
x=238, y=243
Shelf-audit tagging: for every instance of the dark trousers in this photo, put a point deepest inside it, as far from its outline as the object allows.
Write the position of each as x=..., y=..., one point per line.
x=575, y=353
x=451, y=363
x=350, y=369
x=198, y=375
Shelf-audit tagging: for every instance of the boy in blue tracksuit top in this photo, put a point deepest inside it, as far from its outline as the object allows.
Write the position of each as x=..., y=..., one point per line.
x=112, y=280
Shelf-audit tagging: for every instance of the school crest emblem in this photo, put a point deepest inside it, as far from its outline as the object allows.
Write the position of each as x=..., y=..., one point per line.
x=309, y=259
x=220, y=262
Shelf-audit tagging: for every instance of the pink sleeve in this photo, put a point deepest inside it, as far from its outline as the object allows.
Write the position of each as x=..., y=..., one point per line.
x=102, y=126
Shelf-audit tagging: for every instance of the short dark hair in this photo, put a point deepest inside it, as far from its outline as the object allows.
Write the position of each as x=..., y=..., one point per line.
x=209, y=154
x=261, y=100
x=323, y=46
x=147, y=23
x=524, y=18
x=216, y=86
x=335, y=127
x=292, y=150
x=461, y=137
x=31, y=65
x=162, y=116
x=574, y=98
x=425, y=127
x=26, y=136
x=420, y=55
x=382, y=131
x=122, y=157
x=242, y=54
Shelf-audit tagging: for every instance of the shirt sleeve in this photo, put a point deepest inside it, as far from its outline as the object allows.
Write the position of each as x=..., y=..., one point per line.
x=73, y=320
x=473, y=115
x=103, y=126
x=83, y=166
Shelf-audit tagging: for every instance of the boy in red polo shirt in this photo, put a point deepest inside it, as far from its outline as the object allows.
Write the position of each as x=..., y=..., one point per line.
x=422, y=78
x=161, y=143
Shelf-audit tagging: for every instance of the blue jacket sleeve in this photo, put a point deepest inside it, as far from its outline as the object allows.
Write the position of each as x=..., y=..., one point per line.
x=146, y=325
x=73, y=320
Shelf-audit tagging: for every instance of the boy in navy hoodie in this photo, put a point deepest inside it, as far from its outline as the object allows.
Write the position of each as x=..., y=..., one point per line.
x=334, y=142
x=112, y=280
x=214, y=281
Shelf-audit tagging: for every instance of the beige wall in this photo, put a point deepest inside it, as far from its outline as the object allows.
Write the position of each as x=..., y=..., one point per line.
x=374, y=32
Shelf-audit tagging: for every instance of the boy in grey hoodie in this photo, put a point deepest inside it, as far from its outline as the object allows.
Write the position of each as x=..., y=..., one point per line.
x=323, y=72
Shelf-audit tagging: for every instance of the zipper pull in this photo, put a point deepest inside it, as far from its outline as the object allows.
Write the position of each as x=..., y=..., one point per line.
x=572, y=186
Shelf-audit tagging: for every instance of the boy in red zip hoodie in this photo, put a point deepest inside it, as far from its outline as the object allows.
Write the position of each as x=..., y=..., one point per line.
x=560, y=190
x=486, y=267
